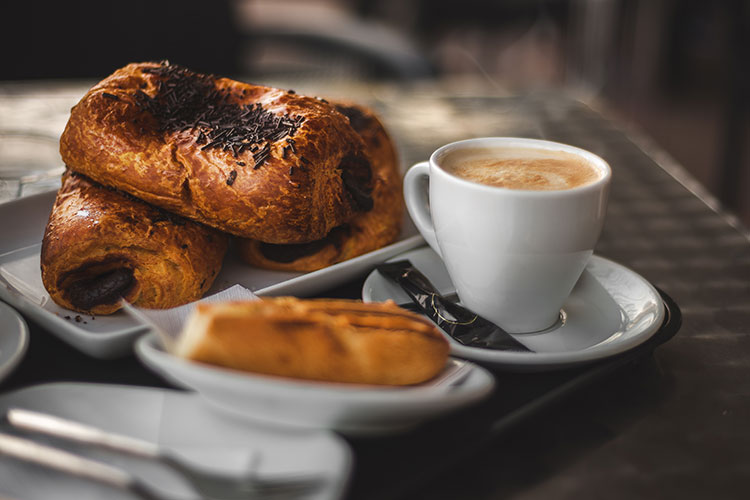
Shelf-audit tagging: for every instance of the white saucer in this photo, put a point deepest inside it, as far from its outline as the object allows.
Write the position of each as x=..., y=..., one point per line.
x=14, y=339
x=346, y=408
x=178, y=422
x=611, y=310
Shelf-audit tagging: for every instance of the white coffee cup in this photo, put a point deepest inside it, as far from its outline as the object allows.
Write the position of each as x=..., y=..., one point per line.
x=514, y=255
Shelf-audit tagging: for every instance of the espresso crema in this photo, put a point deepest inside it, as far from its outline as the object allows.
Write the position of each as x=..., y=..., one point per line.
x=520, y=168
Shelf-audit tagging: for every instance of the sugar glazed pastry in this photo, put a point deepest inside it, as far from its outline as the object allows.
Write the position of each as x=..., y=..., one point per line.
x=327, y=340
x=254, y=161
x=101, y=245
x=364, y=232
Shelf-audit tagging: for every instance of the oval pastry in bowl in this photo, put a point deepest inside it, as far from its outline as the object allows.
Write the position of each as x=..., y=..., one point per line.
x=101, y=245
x=324, y=339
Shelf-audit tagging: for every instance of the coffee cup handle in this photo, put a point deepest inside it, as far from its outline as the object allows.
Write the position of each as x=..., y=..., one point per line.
x=416, y=196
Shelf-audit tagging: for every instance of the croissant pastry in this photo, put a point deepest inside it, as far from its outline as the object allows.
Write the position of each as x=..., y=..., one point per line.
x=366, y=231
x=323, y=339
x=101, y=245
x=254, y=161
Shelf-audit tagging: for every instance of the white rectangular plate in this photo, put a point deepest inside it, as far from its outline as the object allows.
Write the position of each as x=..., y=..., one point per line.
x=23, y=223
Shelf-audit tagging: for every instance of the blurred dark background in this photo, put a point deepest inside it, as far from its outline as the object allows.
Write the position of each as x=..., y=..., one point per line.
x=675, y=69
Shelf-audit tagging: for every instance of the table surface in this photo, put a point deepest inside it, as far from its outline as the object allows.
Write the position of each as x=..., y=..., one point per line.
x=675, y=423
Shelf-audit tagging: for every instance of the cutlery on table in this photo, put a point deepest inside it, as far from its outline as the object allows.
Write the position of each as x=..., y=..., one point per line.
x=63, y=461
x=207, y=484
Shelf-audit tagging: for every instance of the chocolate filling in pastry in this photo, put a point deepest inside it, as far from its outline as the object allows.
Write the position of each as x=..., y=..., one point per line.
x=98, y=285
x=356, y=170
x=291, y=252
x=357, y=119
x=357, y=176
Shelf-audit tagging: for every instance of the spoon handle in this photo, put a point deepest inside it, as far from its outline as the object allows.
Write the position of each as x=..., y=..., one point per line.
x=81, y=433
x=63, y=461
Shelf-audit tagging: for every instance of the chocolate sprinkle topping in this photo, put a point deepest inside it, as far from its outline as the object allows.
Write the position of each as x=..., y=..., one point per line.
x=261, y=156
x=232, y=177
x=190, y=101
x=110, y=96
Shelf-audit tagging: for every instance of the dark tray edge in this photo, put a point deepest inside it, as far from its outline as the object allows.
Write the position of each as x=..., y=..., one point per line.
x=590, y=374
x=668, y=329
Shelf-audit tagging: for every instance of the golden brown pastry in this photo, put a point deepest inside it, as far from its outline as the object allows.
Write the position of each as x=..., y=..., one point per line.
x=329, y=340
x=365, y=232
x=101, y=245
x=254, y=161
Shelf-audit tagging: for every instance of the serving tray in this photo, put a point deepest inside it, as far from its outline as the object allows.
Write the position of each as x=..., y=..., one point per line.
x=401, y=465
x=23, y=223
x=411, y=462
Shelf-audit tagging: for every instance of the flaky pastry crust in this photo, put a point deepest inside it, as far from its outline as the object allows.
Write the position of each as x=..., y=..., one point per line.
x=366, y=231
x=254, y=161
x=101, y=245
x=323, y=339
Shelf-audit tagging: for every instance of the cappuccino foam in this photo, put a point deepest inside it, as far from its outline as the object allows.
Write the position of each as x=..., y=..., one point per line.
x=519, y=168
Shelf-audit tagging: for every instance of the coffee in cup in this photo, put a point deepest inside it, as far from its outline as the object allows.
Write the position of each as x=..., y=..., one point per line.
x=522, y=168
x=514, y=220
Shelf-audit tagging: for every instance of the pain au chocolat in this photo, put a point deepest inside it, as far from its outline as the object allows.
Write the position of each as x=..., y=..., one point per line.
x=366, y=231
x=322, y=339
x=101, y=245
x=253, y=161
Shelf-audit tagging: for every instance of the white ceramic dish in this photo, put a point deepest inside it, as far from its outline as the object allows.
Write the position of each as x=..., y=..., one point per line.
x=611, y=310
x=112, y=336
x=176, y=421
x=14, y=339
x=350, y=409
